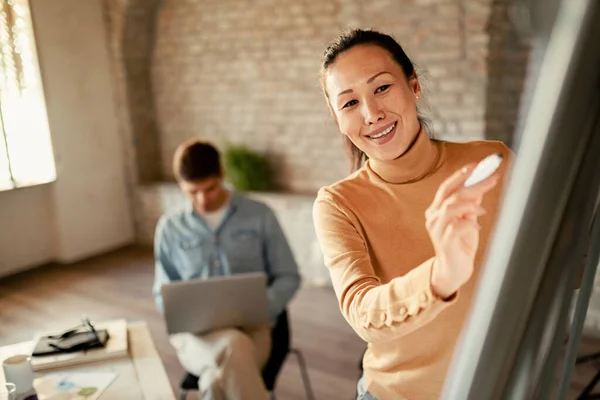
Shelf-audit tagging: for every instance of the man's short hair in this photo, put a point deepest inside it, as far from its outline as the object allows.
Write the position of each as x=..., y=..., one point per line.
x=195, y=160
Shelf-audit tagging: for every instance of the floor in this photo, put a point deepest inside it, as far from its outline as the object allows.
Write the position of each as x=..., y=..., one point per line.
x=118, y=285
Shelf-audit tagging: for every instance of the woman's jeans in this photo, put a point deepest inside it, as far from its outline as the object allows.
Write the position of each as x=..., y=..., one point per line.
x=362, y=392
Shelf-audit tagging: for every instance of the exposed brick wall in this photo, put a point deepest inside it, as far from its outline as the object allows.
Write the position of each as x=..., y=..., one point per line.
x=247, y=72
x=114, y=20
x=131, y=26
x=507, y=65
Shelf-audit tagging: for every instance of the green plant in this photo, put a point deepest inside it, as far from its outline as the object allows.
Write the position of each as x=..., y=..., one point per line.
x=246, y=170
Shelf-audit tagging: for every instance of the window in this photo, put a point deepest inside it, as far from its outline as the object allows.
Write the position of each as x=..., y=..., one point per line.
x=26, y=156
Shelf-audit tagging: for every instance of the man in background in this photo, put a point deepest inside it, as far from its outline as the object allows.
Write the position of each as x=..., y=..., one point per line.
x=222, y=232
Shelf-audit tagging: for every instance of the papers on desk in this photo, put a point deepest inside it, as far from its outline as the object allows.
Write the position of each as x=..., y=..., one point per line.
x=117, y=346
x=73, y=385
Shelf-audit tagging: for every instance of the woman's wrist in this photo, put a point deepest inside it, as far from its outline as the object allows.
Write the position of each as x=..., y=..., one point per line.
x=442, y=293
x=441, y=284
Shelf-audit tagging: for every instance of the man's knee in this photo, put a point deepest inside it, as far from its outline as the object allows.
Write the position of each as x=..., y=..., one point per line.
x=239, y=348
x=238, y=341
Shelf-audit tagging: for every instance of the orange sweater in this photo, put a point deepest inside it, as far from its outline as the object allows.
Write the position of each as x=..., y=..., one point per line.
x=371, y=227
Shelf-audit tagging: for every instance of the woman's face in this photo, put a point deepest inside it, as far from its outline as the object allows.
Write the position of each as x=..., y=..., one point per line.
x=373, y=102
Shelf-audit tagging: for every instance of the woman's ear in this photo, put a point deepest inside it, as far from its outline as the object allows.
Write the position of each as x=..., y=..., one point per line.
x=415, y=85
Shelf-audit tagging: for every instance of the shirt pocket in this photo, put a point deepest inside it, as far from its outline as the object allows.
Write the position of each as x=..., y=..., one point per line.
x=195, y=254
x=245, y=252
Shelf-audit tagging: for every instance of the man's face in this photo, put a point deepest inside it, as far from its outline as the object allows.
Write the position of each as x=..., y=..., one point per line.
x=206, y=194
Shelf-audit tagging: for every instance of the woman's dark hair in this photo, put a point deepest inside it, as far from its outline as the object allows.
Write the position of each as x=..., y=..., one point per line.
x=361, y=37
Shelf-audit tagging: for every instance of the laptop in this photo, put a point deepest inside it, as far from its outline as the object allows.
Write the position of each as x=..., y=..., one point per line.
x=202, y=305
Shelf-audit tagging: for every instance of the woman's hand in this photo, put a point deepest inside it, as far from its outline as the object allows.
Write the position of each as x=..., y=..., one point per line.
x=452, y=224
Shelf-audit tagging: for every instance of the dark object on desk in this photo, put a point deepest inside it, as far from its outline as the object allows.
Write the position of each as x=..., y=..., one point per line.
x=82, y=337
x=280, y=339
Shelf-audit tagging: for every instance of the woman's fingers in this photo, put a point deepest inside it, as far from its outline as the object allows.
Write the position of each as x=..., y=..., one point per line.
x=451, y=184
x=473, y=194
x=439, y=220
x=465, y=232
x=454, y=185
x=482, y=187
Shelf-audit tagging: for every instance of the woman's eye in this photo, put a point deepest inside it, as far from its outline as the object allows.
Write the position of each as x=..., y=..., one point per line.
x=350, y=103
x=382, y=88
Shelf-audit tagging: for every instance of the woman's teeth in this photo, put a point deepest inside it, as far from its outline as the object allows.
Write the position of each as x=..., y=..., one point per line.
x=384, y=133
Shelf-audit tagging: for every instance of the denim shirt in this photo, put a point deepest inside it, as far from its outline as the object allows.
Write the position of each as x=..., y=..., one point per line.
x=249, y=239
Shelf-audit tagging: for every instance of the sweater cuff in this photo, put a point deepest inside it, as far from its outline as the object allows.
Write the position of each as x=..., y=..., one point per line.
x=419, y=298
x=421, y=284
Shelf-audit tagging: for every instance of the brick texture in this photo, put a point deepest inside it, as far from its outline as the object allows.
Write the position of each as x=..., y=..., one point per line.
x=507, y=65
x=247, y=72
x=131, y=26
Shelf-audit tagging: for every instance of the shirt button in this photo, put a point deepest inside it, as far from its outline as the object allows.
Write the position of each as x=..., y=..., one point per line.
x=382, y=317
x=424, y=298
x=403, y=311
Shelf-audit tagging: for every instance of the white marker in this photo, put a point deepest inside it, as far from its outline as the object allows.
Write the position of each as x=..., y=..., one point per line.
x=484, y=169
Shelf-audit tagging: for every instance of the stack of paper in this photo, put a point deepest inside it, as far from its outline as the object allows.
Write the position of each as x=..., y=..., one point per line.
x=73, y=385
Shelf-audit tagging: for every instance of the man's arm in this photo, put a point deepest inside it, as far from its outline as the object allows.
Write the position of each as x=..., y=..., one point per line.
x=164, y=269
x=281, y=267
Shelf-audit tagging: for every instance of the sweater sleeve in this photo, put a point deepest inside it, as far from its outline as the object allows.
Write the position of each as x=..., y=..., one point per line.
x=377, y=311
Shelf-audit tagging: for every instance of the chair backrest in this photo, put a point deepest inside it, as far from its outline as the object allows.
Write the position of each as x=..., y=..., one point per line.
x=280, y=347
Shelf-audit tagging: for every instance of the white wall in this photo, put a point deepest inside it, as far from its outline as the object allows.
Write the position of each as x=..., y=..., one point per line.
x=87, y=210
x=90, y=195
x=26, y=228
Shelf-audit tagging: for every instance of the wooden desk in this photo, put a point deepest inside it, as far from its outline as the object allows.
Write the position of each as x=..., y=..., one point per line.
x=141, y=375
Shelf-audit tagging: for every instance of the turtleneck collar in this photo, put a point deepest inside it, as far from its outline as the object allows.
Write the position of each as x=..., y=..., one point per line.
x=418, y=161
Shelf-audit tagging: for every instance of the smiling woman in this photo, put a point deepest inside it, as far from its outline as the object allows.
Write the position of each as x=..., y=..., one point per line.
x=394, y=80
x=403, y=272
